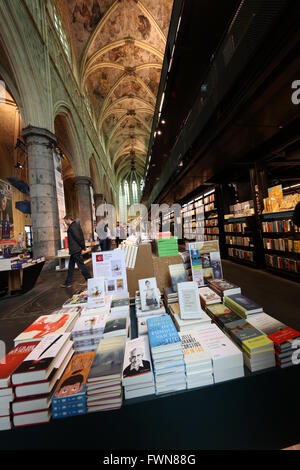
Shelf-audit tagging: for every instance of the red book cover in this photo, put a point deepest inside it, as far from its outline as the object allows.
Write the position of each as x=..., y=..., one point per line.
x=12, y=360
x=282, y=336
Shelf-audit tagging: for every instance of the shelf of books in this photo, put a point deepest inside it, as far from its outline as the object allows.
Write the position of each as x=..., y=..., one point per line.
x=241, y=233
x=281, y=238
x=281, y=241
x=200, y=218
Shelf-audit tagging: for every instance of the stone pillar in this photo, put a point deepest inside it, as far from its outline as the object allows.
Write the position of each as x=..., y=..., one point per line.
x=43, y=198
x=98, y=200
x=82, y=185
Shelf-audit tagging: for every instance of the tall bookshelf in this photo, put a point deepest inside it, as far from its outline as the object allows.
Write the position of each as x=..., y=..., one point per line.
x=241, y=240
x=281, y=240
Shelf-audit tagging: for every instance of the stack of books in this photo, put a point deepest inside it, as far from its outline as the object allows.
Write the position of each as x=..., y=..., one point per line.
x=97, y=310
x=221, y=314
x=117, y=324
x=187, y=325
x=170, y=296
x=198, y=363
x=167, y=355
x=208, y=297
x=137, y=378
x=166, y=246
x=185, y=255
x=227, y=358
x=266, y=323
x=120, y=304
x=7, y=366
x=104, y=390
x=57, y=323
x=79, y=299
x=189, y=301
x=87, y=332
x=223, y=288
x=283, y=340
x=241, y=305
x=34, y=380
x=258, y=349
x=69, y=398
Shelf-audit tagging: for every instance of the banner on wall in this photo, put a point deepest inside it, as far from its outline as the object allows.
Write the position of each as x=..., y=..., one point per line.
x=60, y=193
x=6, y=212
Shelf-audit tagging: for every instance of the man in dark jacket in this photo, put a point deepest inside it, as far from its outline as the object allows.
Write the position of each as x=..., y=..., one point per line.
x=76, y=245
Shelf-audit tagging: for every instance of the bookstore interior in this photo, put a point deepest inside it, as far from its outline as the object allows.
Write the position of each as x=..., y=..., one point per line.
x=150, y=224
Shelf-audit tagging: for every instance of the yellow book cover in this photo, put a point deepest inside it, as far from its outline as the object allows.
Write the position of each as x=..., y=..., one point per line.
x=259, y=342
x=75, y=376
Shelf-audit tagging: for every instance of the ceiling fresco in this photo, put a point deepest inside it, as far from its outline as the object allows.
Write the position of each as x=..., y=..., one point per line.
x=119, y=47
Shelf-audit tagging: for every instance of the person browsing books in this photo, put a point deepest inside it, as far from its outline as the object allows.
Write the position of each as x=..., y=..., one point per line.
x=76, y=245
x=137, y=364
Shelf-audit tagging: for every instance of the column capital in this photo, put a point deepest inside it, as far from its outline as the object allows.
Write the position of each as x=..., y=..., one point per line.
x=86, y=180
x=33, y=131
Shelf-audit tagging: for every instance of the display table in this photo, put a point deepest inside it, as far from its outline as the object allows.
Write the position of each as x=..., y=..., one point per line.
x=63, y=259
x=19, y=281
x=259, y=411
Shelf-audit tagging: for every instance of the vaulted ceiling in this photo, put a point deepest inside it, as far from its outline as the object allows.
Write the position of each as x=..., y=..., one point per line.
x=119, y=46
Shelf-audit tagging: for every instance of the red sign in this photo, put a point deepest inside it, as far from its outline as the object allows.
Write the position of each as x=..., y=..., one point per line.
x=99, y=258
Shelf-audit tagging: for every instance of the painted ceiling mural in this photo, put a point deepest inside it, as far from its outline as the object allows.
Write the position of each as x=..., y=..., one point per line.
x=119, y=47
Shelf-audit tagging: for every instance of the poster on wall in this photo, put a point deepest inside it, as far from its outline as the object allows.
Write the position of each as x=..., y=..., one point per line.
x=60, y=193
x=205, y=261
x=6, y=212
x=111, y=266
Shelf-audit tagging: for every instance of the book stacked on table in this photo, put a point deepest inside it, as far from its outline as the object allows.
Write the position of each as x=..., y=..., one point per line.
x=34, y=380
x=137, y=378
x=185, y=255
x=117, y=324
x=241, y=305
x=119, y=304
x=170, y=296
x=189, y=301
x=187, y=325
x=150, y=313
x=148, y=299
x=55, y=323
x=166, y=246
x=7, y=366
x=69, y=398
x=198, y=363
x=87, y=332
x=104, y=390
x=177, y=274
x=227, y=358
x=80, y=299
x=257, y=348
x=222, y=314
x=97, y=310
x=167, y=355
x=142, y=323
x=284, y=340
x=223, y=288
x=208, y=297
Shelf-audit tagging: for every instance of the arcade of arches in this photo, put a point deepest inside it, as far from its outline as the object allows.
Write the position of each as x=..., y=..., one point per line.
x=79, y=79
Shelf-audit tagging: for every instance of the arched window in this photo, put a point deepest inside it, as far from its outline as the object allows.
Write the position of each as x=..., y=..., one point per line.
x=126, y=193
x=135, y=193
x=61, y=33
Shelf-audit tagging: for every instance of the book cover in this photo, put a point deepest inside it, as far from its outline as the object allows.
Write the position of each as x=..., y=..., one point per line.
x=218, y=309
x=73, y=382
x=281, y=337
x=162, y=331
x=96, y=291
x=116, y=323
x=137, y=360
x=258, y=342
x=266, y=323
x=242, y=330
x=38, y=363
x=208, y=296
x=13, y=360
x=243, y=302
x=192, y=348
x=109, y=358
x=189, y=301
x=149, y=294
x=178, y=274
x=89, y=325
x=57, y=323
x=222, y=285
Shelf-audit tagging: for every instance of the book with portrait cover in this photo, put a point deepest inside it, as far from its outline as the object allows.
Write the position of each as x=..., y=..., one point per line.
x=137, y=367
x=56, y=323
x=12, y=361
x=73, y=382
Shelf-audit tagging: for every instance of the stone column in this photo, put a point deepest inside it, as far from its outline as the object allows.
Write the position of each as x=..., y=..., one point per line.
x=82, y=185
x=98, y=200
x=43, y=198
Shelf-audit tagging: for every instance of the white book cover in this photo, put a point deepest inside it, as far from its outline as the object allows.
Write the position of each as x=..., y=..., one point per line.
x=96, y=291
x=137, y=365
x=209, y=296
x=189, y=301
x=193, y=349
x=89, y=325
x=265, y=323
x=111, y=265
x=149, y=294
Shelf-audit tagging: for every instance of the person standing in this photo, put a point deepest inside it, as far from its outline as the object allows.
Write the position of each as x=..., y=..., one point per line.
x=76, y=245
x=101, y=230
x=118, y=232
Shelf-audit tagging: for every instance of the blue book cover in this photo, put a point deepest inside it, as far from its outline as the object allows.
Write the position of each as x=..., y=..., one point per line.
x=162, y=331
x=64, y=414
